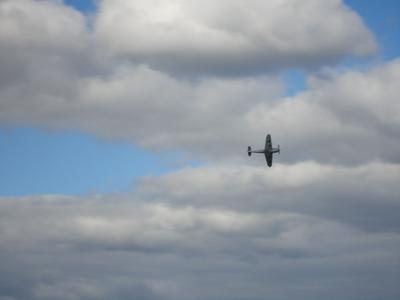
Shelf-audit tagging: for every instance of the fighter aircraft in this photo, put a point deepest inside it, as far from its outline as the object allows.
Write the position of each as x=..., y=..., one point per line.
x=268, y=150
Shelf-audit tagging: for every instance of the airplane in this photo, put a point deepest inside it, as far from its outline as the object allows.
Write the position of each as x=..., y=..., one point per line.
x=268, y=150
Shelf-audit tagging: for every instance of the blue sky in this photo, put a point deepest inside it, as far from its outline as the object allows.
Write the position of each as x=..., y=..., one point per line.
x=36, y=161
x=42, y=162
x=383, y=19
x=82, y=5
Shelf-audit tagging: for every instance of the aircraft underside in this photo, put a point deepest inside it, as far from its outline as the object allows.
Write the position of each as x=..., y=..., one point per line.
x=268, y=150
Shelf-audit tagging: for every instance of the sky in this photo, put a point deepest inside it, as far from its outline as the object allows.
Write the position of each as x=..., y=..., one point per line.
x=123, y=134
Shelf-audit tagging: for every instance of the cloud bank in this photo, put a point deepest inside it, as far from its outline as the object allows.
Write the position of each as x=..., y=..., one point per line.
x=231, y=37
x=343, y=118
x=59, y=74
x=209, y=233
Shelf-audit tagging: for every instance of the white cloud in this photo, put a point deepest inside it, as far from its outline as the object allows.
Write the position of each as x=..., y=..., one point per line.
x=310, y=188
x=180, y=237
x=57, y=75
x=41, y=38
x=347, y=118
x=231, y=37
x=344, y=118
x=41, y=25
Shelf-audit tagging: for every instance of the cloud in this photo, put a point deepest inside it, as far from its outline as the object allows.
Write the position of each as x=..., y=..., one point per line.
x=322, y=223
x=309, y=188
x=344, y=118
x=42, y=38
x=58, y=75
x=223, y=232
x=231, y=37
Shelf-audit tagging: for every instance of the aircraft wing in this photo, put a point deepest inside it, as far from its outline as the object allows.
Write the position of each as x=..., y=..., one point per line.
x=268, y=158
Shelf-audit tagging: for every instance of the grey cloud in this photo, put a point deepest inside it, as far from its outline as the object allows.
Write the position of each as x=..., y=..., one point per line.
x=353, y=116
x=67, y=81
x=45, y=41
x=141, y=105
x=350, y=118
x=211, y=233
x=231, y=37
x=364, y=196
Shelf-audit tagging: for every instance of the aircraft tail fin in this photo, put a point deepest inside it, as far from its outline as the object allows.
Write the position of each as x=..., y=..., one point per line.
x=279, y=150
x=249, y=151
